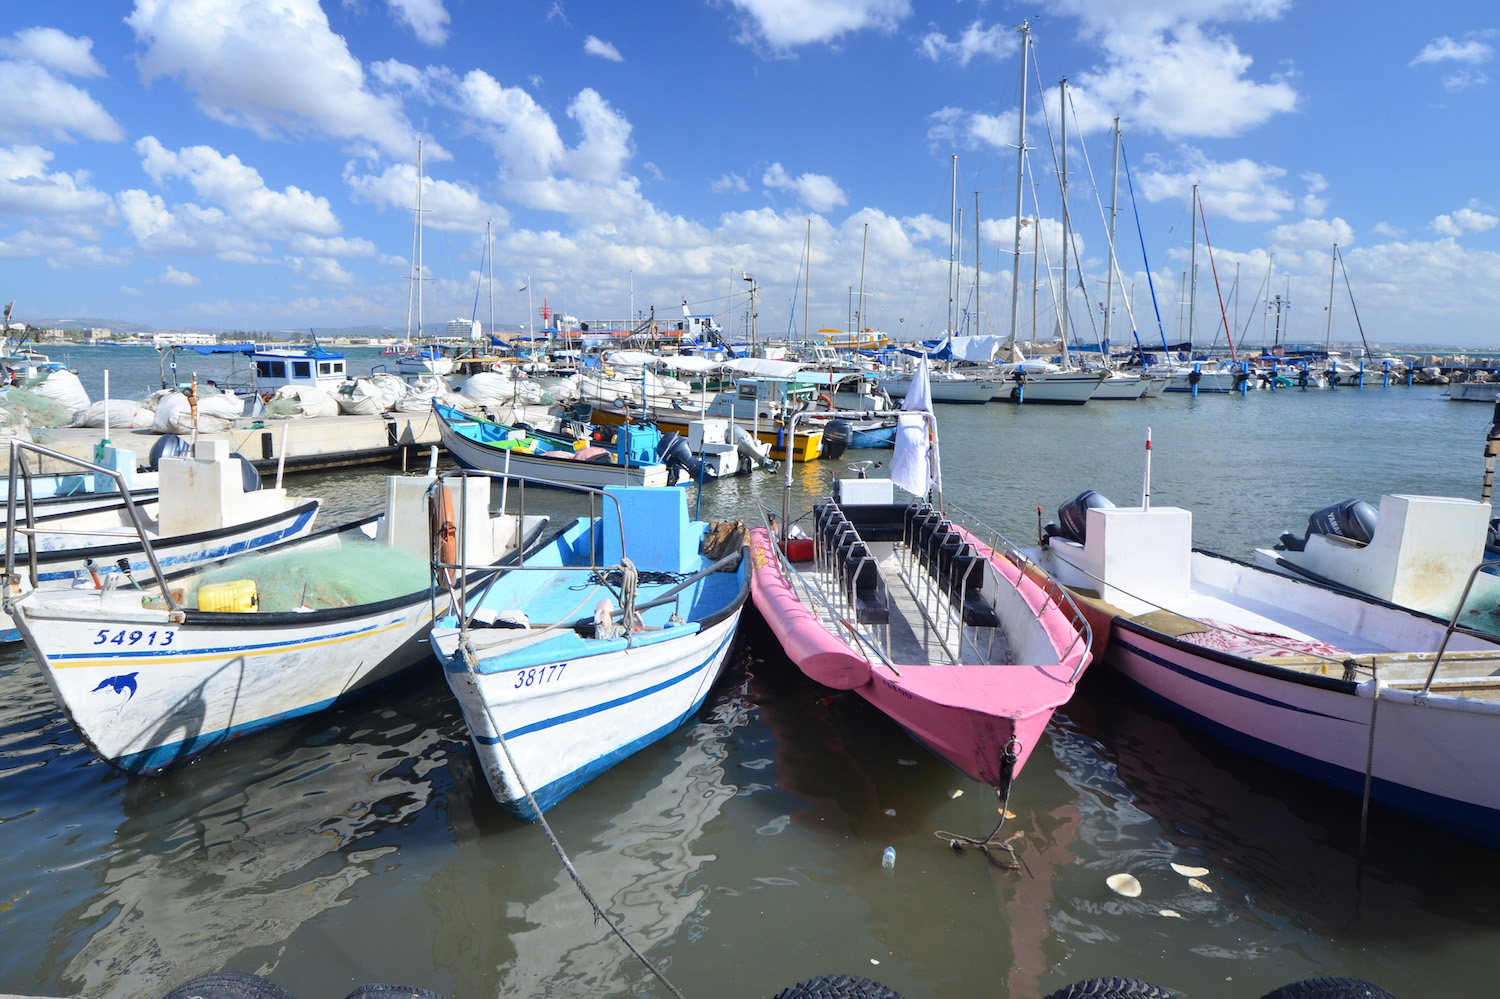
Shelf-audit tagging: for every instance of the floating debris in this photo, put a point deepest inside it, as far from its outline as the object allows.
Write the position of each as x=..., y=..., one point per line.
x=874, y=960
x=1124, y=884
x=1199, y=885
x=890, y=812
x=907, y=763
x=1170, y=913
x=957, y=794
x=1190, y=872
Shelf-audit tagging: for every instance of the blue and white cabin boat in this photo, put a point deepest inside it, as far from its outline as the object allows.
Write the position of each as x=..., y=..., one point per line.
x=312, y=367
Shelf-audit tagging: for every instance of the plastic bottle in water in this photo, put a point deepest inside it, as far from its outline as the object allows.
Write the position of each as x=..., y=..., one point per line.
x=888, y=859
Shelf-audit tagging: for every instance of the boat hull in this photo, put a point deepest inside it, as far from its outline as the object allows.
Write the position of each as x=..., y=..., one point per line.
x=1320, y=726
x=566, y=722
x=147, y=693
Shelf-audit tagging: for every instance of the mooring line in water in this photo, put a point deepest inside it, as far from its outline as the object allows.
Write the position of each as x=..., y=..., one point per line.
x=562, y=855
x=1008, y=757
x=1364, y=803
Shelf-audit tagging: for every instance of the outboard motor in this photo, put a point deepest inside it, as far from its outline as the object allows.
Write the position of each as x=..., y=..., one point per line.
x=673, y=451
x=746, y=445
x=249, y=474
x=1353, y=520
x=1073, y=516
x=837, y=435
x=167, y=446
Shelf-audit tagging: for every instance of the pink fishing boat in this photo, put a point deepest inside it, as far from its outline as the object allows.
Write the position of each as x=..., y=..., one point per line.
x=925, y=613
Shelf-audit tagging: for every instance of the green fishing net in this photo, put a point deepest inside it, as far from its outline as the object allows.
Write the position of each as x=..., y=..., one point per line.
x=332, y=572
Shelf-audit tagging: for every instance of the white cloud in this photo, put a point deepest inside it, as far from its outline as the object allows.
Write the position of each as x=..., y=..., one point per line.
x=1188, y=83
x=446, y=206
x=187, y=228
x=601, y=48
x=27, y=189
x=1464, y=79
x=1311, y=235
x=1241, y=190
x=1445, y=49
x=729, y=183
x=996, y=41
x=53, y=49
x=272, y=66
x=786, y=24
x=181, y=279
x=1463, y=222
x=1312, y=204
x=816, y=191
x=240, y=189
x=39, y=104
x=427, y=19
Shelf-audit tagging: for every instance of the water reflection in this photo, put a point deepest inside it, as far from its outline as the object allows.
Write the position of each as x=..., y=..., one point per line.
x=1290, y=896
x=634, y=847
x=239, y=850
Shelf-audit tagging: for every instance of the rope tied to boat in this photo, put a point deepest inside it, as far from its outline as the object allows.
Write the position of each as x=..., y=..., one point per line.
x=1010, y=756
x=562, y=855
x=1364, y=802
x=628, y=584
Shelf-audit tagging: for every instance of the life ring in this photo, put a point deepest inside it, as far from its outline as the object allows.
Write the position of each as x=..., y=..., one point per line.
x=827, y=401
x=444, y=530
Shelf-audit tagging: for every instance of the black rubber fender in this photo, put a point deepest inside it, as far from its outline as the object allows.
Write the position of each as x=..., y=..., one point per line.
x=837, y=987
x=1112, y=988
x=392, y=992
x=229, y=985
x=1330, y=988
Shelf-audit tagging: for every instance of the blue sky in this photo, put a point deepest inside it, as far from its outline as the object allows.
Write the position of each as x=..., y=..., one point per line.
x=252, y=163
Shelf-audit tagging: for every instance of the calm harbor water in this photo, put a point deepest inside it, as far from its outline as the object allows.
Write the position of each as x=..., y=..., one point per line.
x=742, y=852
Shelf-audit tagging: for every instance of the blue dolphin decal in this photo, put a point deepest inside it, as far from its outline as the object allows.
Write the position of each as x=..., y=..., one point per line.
x=120, y=684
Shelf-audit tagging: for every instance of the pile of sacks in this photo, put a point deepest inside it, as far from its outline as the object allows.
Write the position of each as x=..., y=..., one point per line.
x=60, y=400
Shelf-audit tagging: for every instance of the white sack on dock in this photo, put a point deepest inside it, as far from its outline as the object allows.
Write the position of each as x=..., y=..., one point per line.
x=123, y=414
x=63, y=387
x=216, y=414
x=293, y=401
x=13, y=422
x=359, y=397
x=487, y=387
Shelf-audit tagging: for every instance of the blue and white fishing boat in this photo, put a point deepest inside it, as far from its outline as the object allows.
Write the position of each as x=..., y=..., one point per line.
x=210, y=506
x=598, y=645
x=152, y=678
x=524, y=453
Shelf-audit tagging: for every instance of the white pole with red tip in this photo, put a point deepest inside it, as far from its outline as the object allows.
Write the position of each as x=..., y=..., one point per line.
x=1146, y=484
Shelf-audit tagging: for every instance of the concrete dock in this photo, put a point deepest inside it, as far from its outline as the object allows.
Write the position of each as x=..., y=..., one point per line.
x=308, y=444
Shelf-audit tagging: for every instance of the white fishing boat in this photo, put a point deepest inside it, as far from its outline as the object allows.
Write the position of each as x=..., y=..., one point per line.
x=1365, y=696
x=153, y=678
x=1473, y=391
x=596, y=646
x=210, y=506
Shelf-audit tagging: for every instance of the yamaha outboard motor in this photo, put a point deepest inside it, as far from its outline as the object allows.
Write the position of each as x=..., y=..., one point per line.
x=673, y=451
x=837, y=435
x=249, y=474
x=167, y=446
x=1073, y=516
x=1353, y=520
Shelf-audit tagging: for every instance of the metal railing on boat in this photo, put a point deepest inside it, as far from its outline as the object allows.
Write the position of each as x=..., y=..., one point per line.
x=22, y=473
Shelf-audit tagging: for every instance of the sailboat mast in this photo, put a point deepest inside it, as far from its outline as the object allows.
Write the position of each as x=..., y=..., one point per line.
x=419, y=238
x=952, y=236
x=807, y=284
x=491, y=257
x=978, y=330
x=1015, y=292
x=1193, y=270
x=859, y=315
x=1332, y=273
x=1109, y=280
x=1062, y=114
